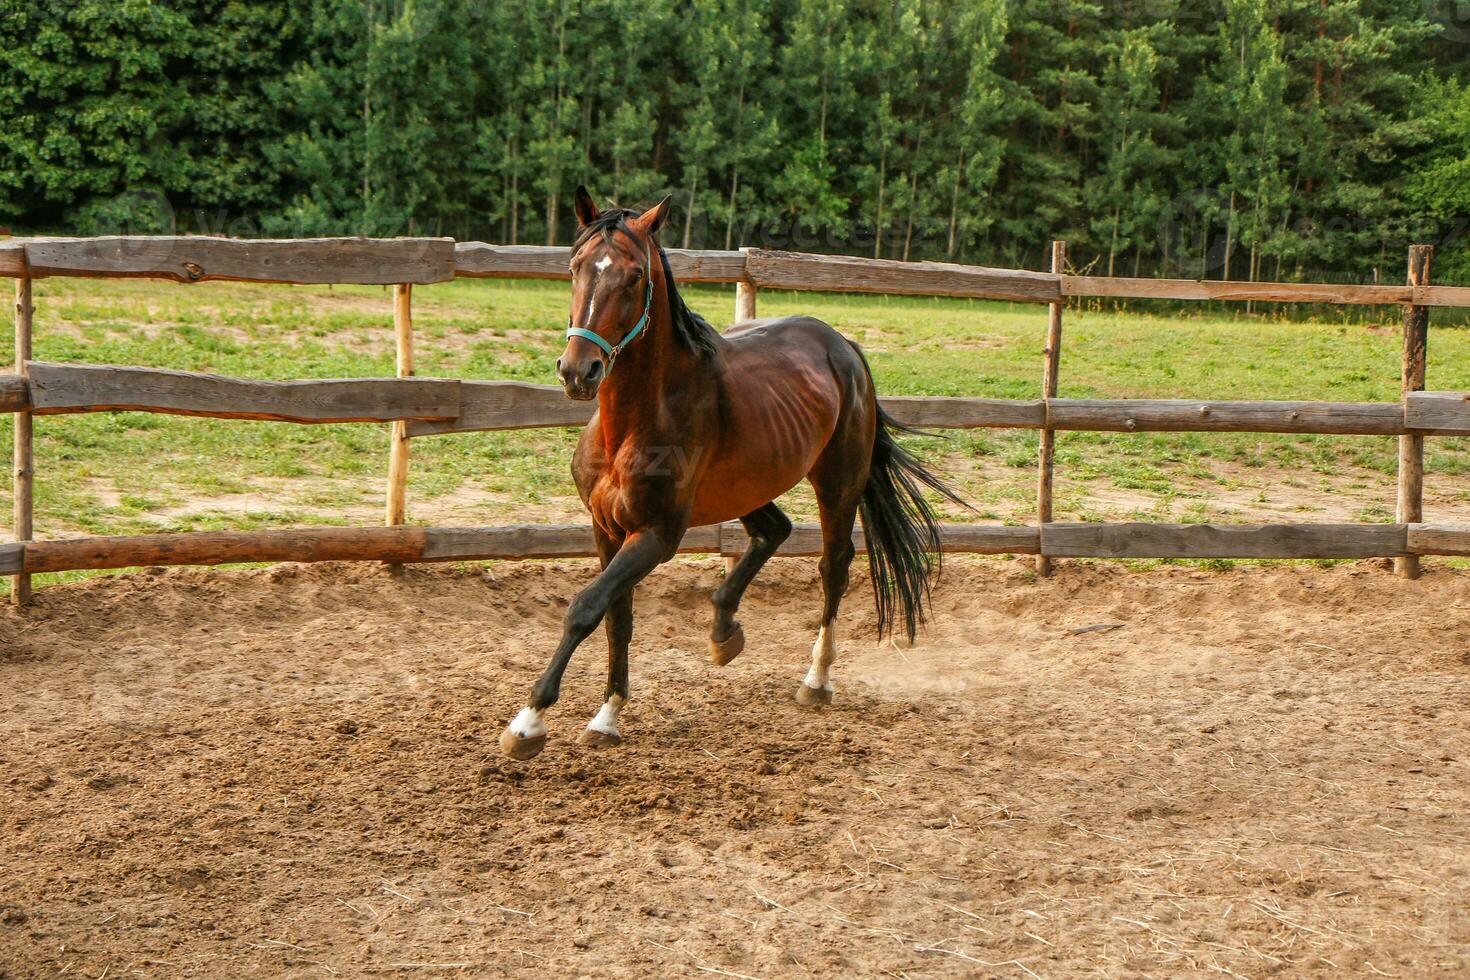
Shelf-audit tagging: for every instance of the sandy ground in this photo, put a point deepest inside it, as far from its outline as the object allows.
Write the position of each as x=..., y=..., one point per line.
x=292, y=772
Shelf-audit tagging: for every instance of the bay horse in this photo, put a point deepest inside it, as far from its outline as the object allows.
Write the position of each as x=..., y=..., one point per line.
x=694, y=427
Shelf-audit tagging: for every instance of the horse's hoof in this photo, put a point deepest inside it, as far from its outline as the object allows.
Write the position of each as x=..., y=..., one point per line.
x=726, y=650
x=595, y=738
x=813, y=697
x=521, y=747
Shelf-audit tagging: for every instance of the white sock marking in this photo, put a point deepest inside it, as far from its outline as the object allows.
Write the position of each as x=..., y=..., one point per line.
x=606, y=720
x=527, y=724
x=824, y=651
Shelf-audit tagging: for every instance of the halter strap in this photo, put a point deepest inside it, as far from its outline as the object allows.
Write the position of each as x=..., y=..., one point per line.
x=610, y=350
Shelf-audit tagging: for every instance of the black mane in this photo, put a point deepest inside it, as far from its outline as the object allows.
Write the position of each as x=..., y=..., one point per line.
x=693, y=331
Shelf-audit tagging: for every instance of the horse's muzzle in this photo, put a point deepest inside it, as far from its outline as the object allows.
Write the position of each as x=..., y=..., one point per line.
x=580, y=377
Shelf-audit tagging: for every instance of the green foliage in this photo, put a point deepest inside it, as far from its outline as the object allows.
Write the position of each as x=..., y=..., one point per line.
x=1218, y=138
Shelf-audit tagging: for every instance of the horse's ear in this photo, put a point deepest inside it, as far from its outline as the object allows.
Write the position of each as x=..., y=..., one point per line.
x=587, y=212
x=655, y=217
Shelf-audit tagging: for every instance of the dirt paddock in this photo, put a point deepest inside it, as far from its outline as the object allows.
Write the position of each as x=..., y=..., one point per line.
x=293, y=772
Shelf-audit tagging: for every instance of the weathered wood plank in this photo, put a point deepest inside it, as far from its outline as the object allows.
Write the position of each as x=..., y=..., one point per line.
x=489, y=405
x=12, y=557
x=1211, y=289
x=1065, y=540
x=1186, y=415
x=481, y=260
x=58, y=389
x=1439, y=539
x=1442, y=413
x=1448, y=296
x=848, y=274
x=396, y=495
x=12, y=259
x=1409, y=507
x=366, y=261
x=23, y=457
x=396, y=544
x=975, y=539
x=966, y=413
x=15, y=393
x=1046, y=441
x=537, y=541
x=411, y=544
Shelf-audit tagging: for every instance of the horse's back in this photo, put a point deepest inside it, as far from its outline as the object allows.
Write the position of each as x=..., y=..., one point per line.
x=785, y=385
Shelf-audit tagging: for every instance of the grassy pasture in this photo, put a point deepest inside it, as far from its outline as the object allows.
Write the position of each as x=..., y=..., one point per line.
x=134, y=472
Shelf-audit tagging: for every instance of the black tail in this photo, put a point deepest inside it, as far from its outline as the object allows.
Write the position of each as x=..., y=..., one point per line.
x=901, y=530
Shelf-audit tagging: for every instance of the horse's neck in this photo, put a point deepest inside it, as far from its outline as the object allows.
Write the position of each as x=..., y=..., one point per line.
x=646, y=382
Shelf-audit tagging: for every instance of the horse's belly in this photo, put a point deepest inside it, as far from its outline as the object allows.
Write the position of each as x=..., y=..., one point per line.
x=777, y=427
x=728, y=493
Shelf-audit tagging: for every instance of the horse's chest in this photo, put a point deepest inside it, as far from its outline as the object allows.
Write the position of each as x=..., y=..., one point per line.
x=638, y=479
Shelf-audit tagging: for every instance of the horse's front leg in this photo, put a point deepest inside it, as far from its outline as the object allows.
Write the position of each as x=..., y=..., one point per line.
x=643, y=551
x=602, y=731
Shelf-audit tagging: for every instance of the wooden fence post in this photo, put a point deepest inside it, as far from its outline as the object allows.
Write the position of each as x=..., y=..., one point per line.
x=1047, y=452
x=24, y=472
x=1410, y=509
x=397, y=507
x=744, y=310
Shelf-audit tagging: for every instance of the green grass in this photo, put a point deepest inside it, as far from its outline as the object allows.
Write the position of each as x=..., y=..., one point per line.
x=133, y=472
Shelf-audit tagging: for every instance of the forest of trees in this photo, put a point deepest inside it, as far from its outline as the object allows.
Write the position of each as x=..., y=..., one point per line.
x=1267, y=139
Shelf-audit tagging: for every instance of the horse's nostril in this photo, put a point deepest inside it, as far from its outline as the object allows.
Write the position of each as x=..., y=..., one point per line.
x=594, y=372
x=558, y=365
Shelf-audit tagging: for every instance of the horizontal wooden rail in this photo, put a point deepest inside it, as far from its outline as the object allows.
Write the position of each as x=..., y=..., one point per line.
x=1185, y=415
x=493, y=405
x=1442, y=413
x=426, y=260
x=1224, y=541
x=435, y=406
x=414, y=544
x=1213, y=289
x=479, y=260
x=187, y=259
x=15, y=393
x=1438, y=539
x=426, y=544
x=849, y=274
x=58, y=389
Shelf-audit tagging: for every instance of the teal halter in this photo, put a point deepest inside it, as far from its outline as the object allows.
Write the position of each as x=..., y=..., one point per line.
x=611, y=351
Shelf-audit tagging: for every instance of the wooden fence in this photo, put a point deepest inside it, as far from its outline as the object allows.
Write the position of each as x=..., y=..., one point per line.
x=421, y=407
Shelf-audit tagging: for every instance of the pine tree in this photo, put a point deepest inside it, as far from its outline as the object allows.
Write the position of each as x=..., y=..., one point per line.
x=1128, y=191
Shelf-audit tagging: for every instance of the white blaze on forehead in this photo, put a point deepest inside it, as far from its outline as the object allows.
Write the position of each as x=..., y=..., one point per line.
x=528, y=724
x=599, y=266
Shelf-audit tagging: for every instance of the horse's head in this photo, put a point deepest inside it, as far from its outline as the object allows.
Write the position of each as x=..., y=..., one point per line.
x=613, y=265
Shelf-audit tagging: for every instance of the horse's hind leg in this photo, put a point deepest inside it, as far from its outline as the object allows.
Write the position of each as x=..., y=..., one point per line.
x=837, y=555
x=838, y=496
x=767, y=527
